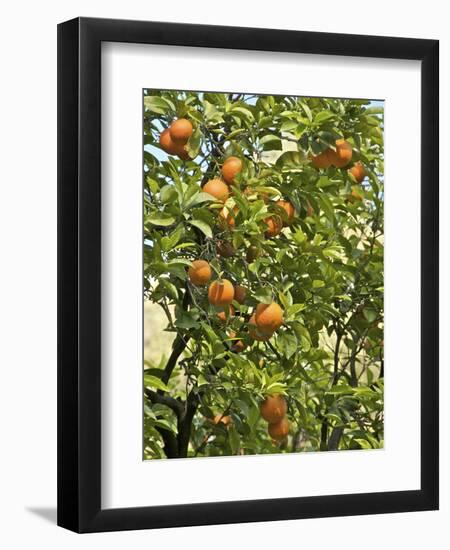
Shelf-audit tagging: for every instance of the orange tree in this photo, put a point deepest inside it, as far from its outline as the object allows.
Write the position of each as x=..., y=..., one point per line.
x=263, y=244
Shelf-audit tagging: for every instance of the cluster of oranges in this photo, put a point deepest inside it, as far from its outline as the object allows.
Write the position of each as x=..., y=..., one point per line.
x=266, y=319
x=340, y=158
x=273, y=409
x=174, y=138
x=220, y=190
x=264, y=322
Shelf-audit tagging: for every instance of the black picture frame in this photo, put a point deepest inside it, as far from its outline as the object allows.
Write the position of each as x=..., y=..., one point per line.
x=79, y=274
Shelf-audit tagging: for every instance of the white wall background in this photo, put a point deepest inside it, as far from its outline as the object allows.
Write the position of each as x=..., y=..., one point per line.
x=28, y=272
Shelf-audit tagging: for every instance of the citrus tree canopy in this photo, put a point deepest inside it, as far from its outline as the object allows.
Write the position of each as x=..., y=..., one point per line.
x=263, y=245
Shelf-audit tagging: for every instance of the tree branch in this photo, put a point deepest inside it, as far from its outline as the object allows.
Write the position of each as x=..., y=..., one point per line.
x=335, y=437
x=185, y=423
x=324, y=434
x=178, y=347
x=167, y=400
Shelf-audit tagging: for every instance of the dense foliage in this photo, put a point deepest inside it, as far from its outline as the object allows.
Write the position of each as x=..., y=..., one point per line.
x=324, y=268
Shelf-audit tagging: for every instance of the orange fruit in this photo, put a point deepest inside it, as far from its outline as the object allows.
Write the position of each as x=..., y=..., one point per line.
x=279, y=430
x=231, y=168
x=268, y=317
x=343, y=154
x=254, y=332
x=217, y=188
x=274, y=226
x=222, y=315
x=273, y=408
x=252, y=254
x=240, y=294
x=181, y=151
x=180, y=130
x=226, y=218
x=288, y=209
x=166, y=143
x=221, y=419
x=356, y=196
x=358, y=172
x=221, y=293
x=322, y=160
x=236, y=345
x=200, y=272
x=225, y=249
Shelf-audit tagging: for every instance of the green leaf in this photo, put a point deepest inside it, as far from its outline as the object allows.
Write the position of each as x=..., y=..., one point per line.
x=270, y=142
x=306, y=109
x=211, y=112
x=203, y=226
x=167, y=193
x=292, y=311
x=167, y=243
x=322, y=116
x=370, y=314
x=194, y=143
x=170, y=287
x=287, y=344
x=327, y=207
x=276, y=387
x=264, y=295
x=156, y=104
x=161, y=219
x=199, y=198
x=153, y=382
x=242, y=112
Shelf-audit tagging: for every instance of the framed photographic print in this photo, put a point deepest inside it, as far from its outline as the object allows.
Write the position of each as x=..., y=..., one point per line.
x=248, y=275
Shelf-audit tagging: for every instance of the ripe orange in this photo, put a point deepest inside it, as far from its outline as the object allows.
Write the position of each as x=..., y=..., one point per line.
x=226, y=218
x=231, y=168
x=288, y=209
x=180, y=130
x=217, y=188
x=222, y=315
x=273, y=408
x=274, y=226
x=166, y=142
x=200, y=272
x=355, y=196
x=221, y=293
x=255, y=333
x=220, y=419
x=240, y=293
x=253, y=252
x=236, y=345
x=358, y=172
x=181, y=151
x=280, y=430
x=323, y=160
x=268, y=317
x=343, y=154
x=225, y=249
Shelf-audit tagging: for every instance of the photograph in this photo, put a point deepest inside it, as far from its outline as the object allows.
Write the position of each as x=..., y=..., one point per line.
x=263, y=261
